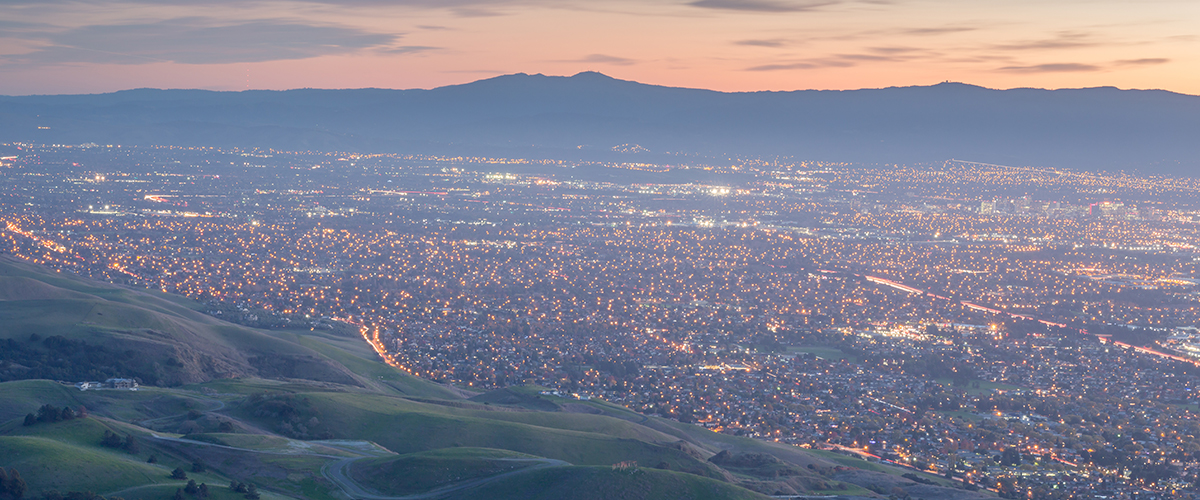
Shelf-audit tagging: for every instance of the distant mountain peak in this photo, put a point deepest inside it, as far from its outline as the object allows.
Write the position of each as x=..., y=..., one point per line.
x=1098, y=128
x=592, y=74
x=950, y=84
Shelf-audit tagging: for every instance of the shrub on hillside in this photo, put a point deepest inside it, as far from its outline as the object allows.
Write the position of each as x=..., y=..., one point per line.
x=296, y=416
x=12, y=485
x=60, y=358
x=114, y=440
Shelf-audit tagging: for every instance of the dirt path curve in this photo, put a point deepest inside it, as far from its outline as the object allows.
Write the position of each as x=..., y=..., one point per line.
x=336, y=469
x=248, y=450
x=218, y=405
x=336, y=472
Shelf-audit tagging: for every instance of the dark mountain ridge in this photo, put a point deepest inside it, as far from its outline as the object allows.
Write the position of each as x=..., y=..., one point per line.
x=1095, y=128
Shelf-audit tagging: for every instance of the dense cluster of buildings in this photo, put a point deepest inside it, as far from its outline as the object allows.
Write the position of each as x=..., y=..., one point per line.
x=924, y=316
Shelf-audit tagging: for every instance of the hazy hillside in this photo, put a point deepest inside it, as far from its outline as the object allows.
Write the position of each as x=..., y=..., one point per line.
x=341, y=424
x=533, y=114
x=62, y=327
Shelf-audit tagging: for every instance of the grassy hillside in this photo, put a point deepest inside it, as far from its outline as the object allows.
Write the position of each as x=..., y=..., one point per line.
x=605, y=483
x=306, y=414
x=406, y=426
x=43, y=453
x=63, y=327
x=421, y=472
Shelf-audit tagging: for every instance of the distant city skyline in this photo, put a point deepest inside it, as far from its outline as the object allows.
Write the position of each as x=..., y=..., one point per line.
x=731, y=45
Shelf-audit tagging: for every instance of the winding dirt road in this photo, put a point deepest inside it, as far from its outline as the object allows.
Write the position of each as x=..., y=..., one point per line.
x=336, y=472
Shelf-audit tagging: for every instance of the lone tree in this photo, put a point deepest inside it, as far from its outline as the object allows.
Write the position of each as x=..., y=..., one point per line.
x=12, y=485
x=131, y=445
x=178, y=473
x=111, y=439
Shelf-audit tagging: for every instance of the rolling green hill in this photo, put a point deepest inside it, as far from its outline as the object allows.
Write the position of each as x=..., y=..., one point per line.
x=406, y=426
x=425, y=471
x=325, y=419
x=597, y=483
x=64, y=327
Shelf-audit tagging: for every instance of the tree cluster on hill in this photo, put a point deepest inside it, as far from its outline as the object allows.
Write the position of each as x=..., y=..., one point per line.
x=12, y=485
x=59, y=358
x=248, y=489
x=49, y=414
x=193, y=489
x=296, y=416
x=114, y=440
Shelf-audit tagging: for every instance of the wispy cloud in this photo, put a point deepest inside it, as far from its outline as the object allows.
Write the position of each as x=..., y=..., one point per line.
x=809, y=64
x=945, y=30
x=1052, y=68
x=1084, y=67
x=472, y=11
x=605, y=59
x=880, y=55
x=762, y=5
x=195, y=40
x=1142, y=62
x=1065, y=40
x=407, y=49
x=895, y=50
x=774, y=42
x=8, y=28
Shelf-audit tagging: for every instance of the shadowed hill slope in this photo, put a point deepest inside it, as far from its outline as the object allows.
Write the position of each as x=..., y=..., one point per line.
x=306, y=436
x=64, y=327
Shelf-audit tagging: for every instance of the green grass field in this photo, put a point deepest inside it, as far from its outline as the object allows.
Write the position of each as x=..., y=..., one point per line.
x=220, y=491
x=20, y=397
x=270, y=443
x=425, y=471
x=603, y=483
x=337, y=386
x=407, y=427
x=45, y=451
x=50, y=464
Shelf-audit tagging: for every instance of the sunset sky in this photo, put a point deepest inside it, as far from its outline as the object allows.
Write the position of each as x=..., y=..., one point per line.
x=52, y=47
